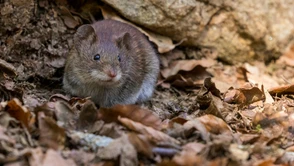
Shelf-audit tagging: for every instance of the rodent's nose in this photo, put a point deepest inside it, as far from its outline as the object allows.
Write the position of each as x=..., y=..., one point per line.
x=111, y=73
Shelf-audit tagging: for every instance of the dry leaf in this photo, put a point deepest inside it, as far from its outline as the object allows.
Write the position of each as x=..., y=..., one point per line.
x=121, y=149
x=196, y=124
x=65, y=115
x=53, y=158
x=19, y=112
x=141, y=143
x=246, y=95
x=188, y=158
x=88, y=116
x=69, y=20
x=51, y=135
x=185, y=65
x=133, y=112
x=214, y=124
x=7, y=68
x=285, y=89
x=156, y=136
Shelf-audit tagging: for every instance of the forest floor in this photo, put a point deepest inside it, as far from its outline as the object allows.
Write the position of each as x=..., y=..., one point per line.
x=203, y=112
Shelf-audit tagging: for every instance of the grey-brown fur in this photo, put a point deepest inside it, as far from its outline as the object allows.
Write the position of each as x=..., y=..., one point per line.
x=139, y=66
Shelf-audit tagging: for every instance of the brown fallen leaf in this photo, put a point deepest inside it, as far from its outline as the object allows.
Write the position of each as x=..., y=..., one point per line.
x=120, y=149
x=4, y=137
x=141, y=143
x=189, y=79
x=65, y=115
x=214, y=124
x=54, y=158
x=8, y=92
x=51, y=135
x=7, y=68
x=246, y=95
x=150, y=132
x=285, y=89
x=88, y=116
x=69, y=20
x=79, y=156
x=185, y=65
x=133, y=112
x=51, y=157
x=197, y=125
x=19, y=112
x=209, y=99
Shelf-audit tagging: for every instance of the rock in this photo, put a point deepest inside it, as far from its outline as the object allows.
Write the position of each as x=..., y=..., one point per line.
x=239, y=30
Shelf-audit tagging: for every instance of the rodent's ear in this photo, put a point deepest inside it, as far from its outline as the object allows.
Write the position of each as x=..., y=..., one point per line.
x=124, y=41
x=85, y=37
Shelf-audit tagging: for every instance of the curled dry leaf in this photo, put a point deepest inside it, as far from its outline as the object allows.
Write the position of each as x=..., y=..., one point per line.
x=133, y=112
x=188, y=156
x=187, y=73
x=19, y=112
x=245, y=95
x=285, y=89
x=88, y=116
x=58, y=97
x=214, y=124
x=196, y=124
x=54, y=158
x=4, y=137
x=8, y=91
x=121, y=149
x=185, y=65
x=69, y=20
x=141, y=143
x=154, y=135
x=7, y=68
x=51, y=135
x=65, y=115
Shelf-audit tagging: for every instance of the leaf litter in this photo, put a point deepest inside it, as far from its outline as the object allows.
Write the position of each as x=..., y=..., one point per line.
x=203, y=112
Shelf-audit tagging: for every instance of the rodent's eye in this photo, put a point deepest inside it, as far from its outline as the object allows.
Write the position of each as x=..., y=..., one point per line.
x=119, y=59
x=97, y=57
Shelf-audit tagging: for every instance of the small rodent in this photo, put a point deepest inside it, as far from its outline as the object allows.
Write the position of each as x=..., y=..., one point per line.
x=111, y=62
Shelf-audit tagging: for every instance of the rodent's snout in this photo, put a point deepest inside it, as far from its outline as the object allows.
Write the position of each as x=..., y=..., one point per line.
x=111, y=73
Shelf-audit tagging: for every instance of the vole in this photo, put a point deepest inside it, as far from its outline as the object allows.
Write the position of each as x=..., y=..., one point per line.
x=111, y=62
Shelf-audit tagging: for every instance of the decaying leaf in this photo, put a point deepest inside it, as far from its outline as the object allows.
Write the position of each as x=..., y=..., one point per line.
x=68, y=19
x=151, y=133
x=51, y=135
x=141, y=143
x=133, y=112
x=285, y=89
x=121, y=149
x=214, y=124
x=19, y=112
x=246, y=95
x=88, y=116
x=7, y=68
x=185, y=65
x=65, y=115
